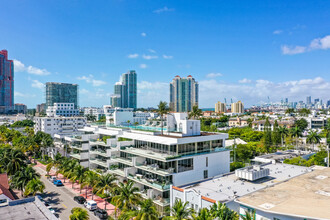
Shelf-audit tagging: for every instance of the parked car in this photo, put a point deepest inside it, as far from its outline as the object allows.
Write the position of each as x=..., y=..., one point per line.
x=90, y=205
x=101, y=213
x=52, y=178
x=51, y=210
x=58, y=183
x=79, y=199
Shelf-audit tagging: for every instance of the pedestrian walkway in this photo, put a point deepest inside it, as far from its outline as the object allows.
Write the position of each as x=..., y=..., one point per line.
x=75, y=189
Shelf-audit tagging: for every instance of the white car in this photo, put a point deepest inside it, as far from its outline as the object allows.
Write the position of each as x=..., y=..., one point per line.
x=90, y=205
x=51, y=209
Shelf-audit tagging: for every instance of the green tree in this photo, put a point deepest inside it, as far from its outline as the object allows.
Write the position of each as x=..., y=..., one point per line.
x=90, y=181
x=304, y=112
x=34, y=186
x=313, y=138
x=276, y=134
x=13, y=160
x=163, y=109
x=54, y=164
x=79, y=174
x=91, y=117
x=267, y=135
x=106, y=185
x=146, y=211
x=302, y=124
x=79, y=214
x=180, y=211
x=203, y=214
x=249, y=215
x=126, y=197
x=221, y=211
x=283, y=131
x=289, y=111
x=195, y=112
x=20, y=179
x=296, y=132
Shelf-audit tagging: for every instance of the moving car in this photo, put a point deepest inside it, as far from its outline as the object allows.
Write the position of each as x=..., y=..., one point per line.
x=58, y=183
x=91, y=205
x=101, y=213
x=79, y=199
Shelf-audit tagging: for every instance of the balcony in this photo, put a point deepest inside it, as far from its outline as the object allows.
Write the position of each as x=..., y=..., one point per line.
x=149, y=153
x=158, y=199
x=99, y=152
x=152, y=183
x=94, y=142
x=122, y=160
x=76, y=156
x=117, y=171
x=99, y=162
x=155, y=169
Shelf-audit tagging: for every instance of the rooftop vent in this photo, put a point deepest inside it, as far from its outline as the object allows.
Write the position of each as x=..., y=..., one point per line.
x=252, y=173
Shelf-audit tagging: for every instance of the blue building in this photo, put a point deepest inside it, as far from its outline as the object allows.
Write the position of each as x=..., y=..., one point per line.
x=6, y=83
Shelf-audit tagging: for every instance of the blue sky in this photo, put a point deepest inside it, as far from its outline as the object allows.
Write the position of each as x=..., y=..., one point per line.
x=244, y=50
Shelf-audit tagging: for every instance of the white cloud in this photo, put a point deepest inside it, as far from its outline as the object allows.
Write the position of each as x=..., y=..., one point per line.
x=143, y=34
x=133, y=56
x=37, y=84
x=83, y=91
x=150, y=93
x=167, y=57
x=213, y=75
x=143, y=66
x=23, y=95
x=20, y=67
x=90, y=79
x=277, y=32
x=149, y=57
x=245, y=80
x=293, y=50
x=316, y=44
x=164, y=9
x=151, y=51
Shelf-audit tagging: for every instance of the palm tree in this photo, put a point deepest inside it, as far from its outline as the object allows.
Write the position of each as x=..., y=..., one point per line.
x=163, y=109
x=54, y=163
x=147, y=211
x=180, y=211
x=34, y=186
x=249, y=215
x=283, y=132
x=13, y=160
x=68, y=170
x=136, y=124
x=79, y=174
x=203, y=214
x=23, y=177
x=296, y=132
x=105, y=185
x=127, y=197
x=313, y=138
x=79, y=214
x=90, y=181
x=221, y=211
x=195, y=112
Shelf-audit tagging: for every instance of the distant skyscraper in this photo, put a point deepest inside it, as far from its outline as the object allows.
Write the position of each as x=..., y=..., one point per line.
x=61, y=93
x=309, y=100
x=220, y=107
x=237, y=107
x=6, y=83
x=286, y=100
x=316, y=101
x=328, y=103
x=125, y=91
x=183, y=94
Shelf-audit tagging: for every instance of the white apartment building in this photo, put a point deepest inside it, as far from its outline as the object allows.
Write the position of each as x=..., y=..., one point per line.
x=154, y=161
x=97, y=112
x=59, y=125
x=237, y=107
x=62, y=109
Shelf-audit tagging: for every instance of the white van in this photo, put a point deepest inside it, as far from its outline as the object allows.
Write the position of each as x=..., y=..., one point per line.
x=90, y=205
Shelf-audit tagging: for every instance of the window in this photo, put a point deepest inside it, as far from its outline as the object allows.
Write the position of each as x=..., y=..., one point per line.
x=185, y=165
x=207, y=161
x=206, y=175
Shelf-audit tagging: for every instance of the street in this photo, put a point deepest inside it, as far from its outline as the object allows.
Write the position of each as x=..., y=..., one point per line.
x=60, y=198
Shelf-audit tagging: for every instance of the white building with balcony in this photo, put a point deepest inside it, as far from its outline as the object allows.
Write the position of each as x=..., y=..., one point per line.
x=62, y=109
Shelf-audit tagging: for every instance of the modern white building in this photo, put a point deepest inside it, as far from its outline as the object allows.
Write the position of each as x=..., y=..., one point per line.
x=154, y=161
x=62, y=109
x=59, y=125
x=97, y=112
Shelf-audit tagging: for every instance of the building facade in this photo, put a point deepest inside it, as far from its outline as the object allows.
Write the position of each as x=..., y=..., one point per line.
x=20, y=108
x=125, y=91
x=183, y=94
x=237, y=107
x=62, y=109
x=61, y=93
x=220, y=107
x=6, y=83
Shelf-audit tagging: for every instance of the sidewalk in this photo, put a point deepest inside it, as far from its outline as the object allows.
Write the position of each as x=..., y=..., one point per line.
x=76, y=191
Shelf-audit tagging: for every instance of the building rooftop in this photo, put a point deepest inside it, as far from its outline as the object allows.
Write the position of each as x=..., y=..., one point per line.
x=306, y=196
x=4, y=186
x=228, y=187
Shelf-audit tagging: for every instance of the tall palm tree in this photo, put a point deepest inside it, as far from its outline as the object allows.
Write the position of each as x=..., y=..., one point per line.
x=195, y=112
x=79, y=174
x=283, y=132
x=127, y=197
x=23, y=177
x=180, y=211
x=296, y=132
x=163, y=109
x=249, y=215
x=54, y=163
x=79, y=214
x=68, y=170
x=221, y=211
x=90, y=181
x=313, y=138
x=34, y=186
x=203, y=214
x=106, y=185
x=147, y=211
x=13, y=160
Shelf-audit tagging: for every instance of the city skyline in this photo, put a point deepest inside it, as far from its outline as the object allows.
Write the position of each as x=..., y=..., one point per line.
x=232, y=54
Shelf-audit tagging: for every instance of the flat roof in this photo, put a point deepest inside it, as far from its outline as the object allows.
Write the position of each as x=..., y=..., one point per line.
x=306, y=196
x=228, y=187
x=23, y=211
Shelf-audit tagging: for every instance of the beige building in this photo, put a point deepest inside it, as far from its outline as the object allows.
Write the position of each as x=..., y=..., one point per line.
x=237, y=107
x=237, y=122
x=220, y=107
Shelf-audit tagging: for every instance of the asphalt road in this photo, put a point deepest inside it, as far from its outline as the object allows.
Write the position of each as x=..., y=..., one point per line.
x=60, y=198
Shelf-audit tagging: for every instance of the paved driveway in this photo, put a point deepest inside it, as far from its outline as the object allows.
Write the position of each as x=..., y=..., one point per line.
x=60, y=198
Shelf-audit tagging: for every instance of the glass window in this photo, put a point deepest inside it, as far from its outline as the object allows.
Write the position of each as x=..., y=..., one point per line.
x=206, y=174
x=185, y=165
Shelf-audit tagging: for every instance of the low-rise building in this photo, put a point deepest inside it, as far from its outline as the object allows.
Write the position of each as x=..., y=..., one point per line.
x=97, y=112
x=238, y=122
x=20, y=108
x=62, y=109
x=260, y=125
